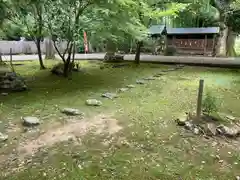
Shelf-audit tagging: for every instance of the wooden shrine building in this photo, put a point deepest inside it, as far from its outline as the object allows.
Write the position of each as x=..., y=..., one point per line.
x=194, y=41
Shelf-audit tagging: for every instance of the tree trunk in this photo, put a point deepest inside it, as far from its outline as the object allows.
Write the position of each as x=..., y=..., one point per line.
x=222, y=42
x=111, y=49
x=138, y=52
x=227, y=43
x=68, y=64
x=1, y=57
x=38, y=43
x=49, y=49
x=230, y=43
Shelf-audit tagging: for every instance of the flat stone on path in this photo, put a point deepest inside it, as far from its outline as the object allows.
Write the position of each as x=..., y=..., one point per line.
x=4, y=94
x=3, y=137
x=30, y=121
x=140, y=82
x=93, y=102
x=109, y=95
x=123, y=89
x=160, y=74
x=230, y=117
x=71, y=112
x=168, y=70
x=150, y=78
x=130, y=86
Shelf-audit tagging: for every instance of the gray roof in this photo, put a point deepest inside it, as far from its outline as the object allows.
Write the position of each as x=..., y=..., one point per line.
x=157, y=29
x=208, y=30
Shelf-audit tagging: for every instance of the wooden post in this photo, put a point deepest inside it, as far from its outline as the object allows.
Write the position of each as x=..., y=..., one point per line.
x=11, y=64
x=214, y=46
x=199, y=100
x=205, y=45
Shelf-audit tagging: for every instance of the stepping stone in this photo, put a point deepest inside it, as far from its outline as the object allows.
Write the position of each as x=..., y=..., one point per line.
x=4, y=94
x=140, y=82
x=93, y=102
x=130, y=86
x=180, y=66
x=168, y=70
x=157, y=75
x=109, y=95
x=160, y=74
x=3, y=137
x=71, y=112
x=150, y=78
x=123, y=89
x=30, y=121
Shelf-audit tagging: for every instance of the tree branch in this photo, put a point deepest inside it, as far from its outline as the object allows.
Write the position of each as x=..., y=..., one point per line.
x=55, y=46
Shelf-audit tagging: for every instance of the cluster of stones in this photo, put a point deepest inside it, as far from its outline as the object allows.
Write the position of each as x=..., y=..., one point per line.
x=208, y=125
x=10, y=81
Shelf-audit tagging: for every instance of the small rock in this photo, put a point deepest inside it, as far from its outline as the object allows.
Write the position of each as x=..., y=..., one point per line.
x=203, y=162
x=171, y=69
x=182, y=120
x=180, y=66
x=30, y=121
x=237, y=177
x=130, y=86
x=4, y=94
x=71, y=112
x=214, y=144
x=123, y=89
x=196, y=131
x=230, y=132
x=211, y=129
x=188, y=125
x=217, y=157
x=80, y=166
x=109, y=95
x=168, y=70
x=150, y=78
x=230, y=117
x=3, y=137
x=235, y=163
x=220, y=161
x=140, y=82
x=159, y=74
x=93, y=102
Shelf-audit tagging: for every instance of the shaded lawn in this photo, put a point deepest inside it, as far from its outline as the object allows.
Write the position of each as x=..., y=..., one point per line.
x=155, y=148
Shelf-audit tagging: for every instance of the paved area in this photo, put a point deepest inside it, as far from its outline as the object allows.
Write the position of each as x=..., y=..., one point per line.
x=194, y=60
x=96, y=56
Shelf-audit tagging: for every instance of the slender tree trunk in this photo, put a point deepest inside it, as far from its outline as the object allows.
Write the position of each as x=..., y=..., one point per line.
x=49, y=48
x=111, y=49
x=68, y=64
x=38, y=43
x=138, y=52
x=1, y=57
x=230, y=43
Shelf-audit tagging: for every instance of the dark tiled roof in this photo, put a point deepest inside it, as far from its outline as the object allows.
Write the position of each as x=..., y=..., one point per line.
x=158, y=29
x=208, y=30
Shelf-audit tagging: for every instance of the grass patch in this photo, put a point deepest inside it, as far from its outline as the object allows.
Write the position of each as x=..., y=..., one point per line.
x=149, y=146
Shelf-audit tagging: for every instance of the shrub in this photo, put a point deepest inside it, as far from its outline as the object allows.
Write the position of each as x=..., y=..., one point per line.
x=210, y=104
